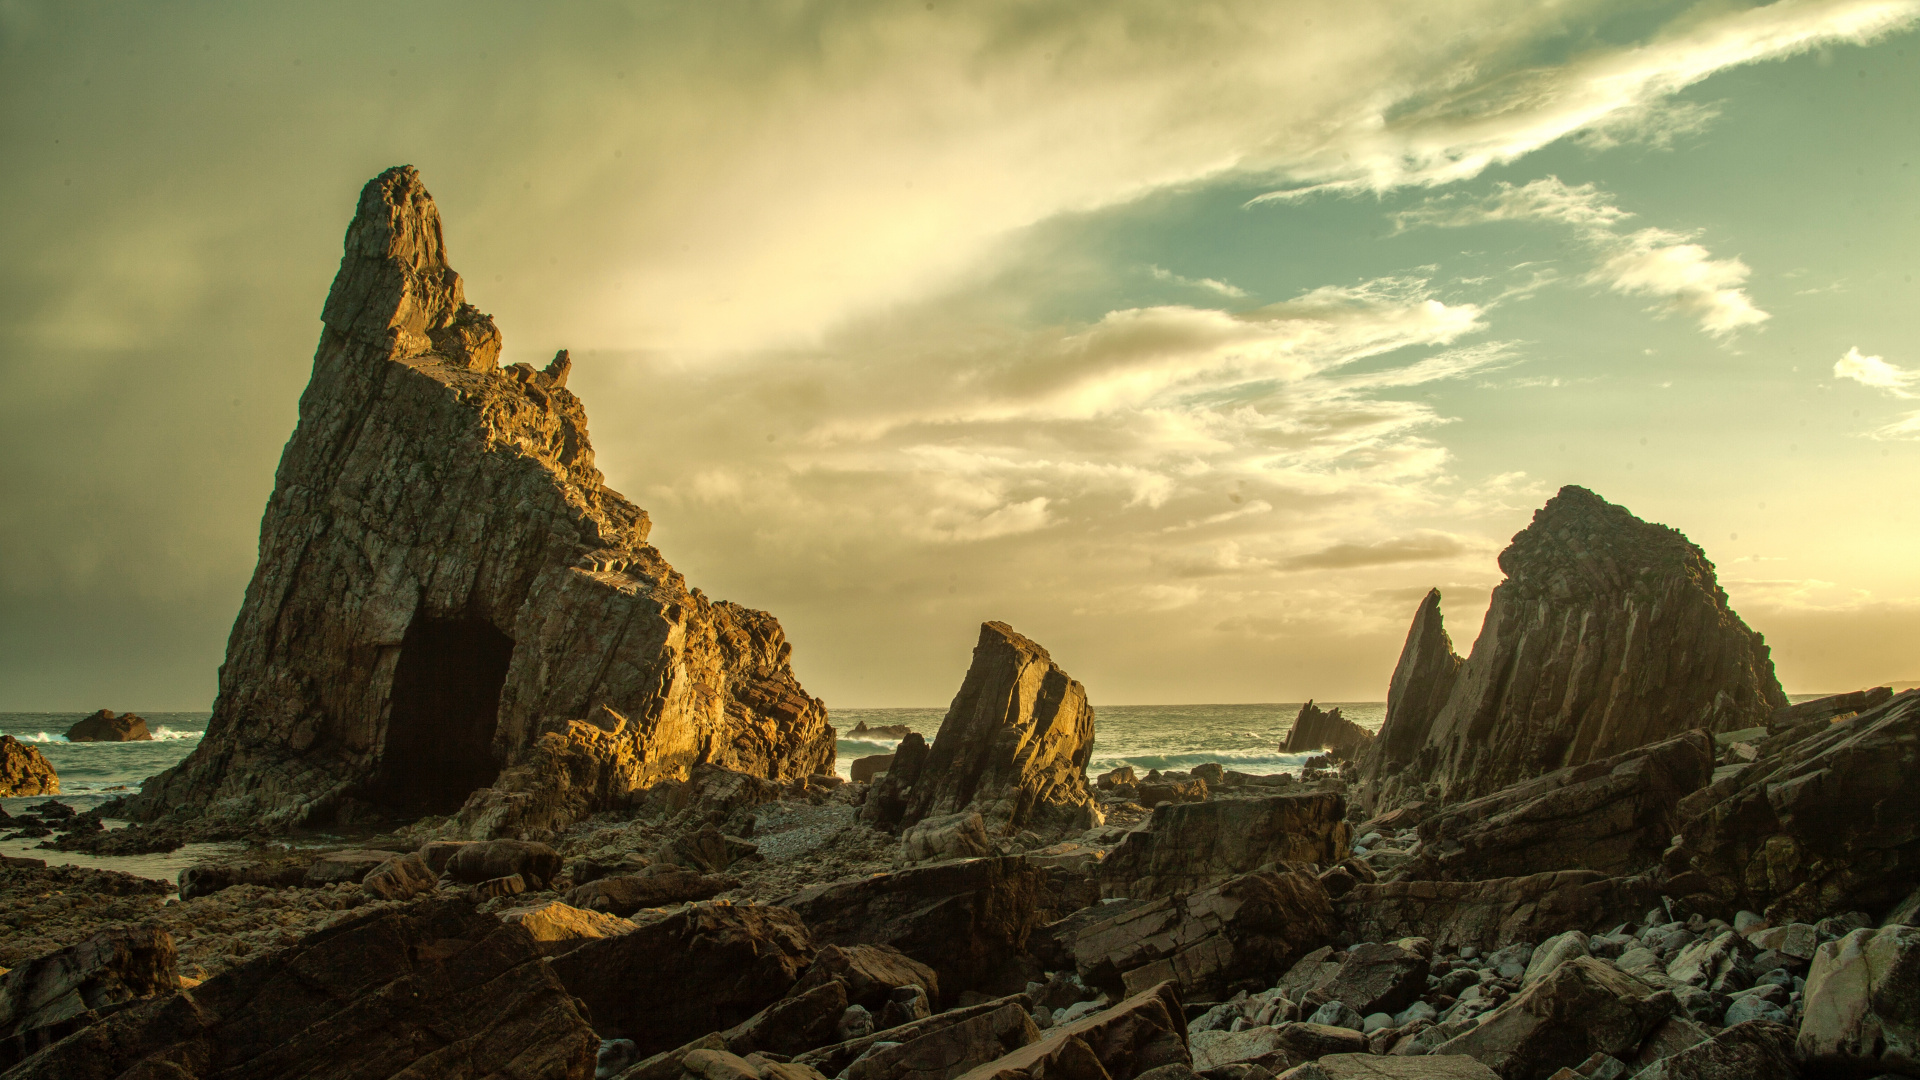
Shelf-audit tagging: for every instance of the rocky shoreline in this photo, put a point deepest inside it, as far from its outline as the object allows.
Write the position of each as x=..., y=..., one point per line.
x=1600, y=845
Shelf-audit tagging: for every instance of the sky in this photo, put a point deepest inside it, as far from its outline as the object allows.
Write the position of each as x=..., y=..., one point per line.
x=1197, y=341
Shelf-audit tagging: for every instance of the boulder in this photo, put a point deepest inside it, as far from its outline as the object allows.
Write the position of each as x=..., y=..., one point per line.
x=1615, y=815
x=871, y=973
x=955, y=836
x=1379, y=977
x=474, y=863
x=625, y=894
x=105, y=726
x=1608, y=633
x=205, y=879
x=1013, y=747
x=704, y=968
x=1490, y=914
x=1115, y=777
x=968, y=921
x=401, y=877
x=52, y=995
x=499, y=632
x=1255, y=925
x=1755, y=1050
x=792, y=1025
x=881, y=731
x=1315, y=730
x=708, y=850
x=950, y=1051
x=1183, y=848
x=1132, y=1039
x=1820, y=823
x=1422, y=679
x=1170, y=791
x=1368, y=1067
x=1553, y=952
x=1861, y=1009
x=1274, y=1048
x=833, y=1060
x=1717, y=963
x=866, y=768
x=1585, y=1007
x=557, y=928
x=426, y=989
x=348, y=867
x=24, y=770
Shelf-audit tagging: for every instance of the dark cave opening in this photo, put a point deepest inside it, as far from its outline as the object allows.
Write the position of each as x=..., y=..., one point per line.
x=444, y=705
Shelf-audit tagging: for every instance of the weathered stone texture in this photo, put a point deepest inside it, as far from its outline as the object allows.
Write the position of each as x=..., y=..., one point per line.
x=1824, y=821
x=1192, y=845
x=446, y=587
x=24, y=770
x=1421, y=683
x=1013, y=747
x=1608, y=633
x=1615, y=815
x=1493, y=914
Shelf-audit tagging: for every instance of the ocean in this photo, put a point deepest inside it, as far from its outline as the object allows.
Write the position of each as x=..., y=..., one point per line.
x=1241, y=737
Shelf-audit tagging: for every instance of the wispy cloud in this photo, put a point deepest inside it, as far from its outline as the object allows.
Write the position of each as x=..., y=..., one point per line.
x=1210, y=284
x=1681, y=275
x=1891, y=379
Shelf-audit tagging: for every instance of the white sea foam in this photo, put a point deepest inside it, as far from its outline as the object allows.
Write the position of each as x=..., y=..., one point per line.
x=163, y=733
x=43, y=738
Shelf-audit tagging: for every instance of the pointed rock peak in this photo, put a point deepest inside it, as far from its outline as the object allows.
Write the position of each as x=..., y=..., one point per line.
x=1581, y=542
x=557, y=369
x=393, y=274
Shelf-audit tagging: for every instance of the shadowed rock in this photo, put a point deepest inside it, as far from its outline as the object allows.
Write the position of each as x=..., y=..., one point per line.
x=1422, y=681
x=1608, y=633
x=1824, y=821
x=1492, y=914
x=1315, y=729
x=106, y=726
x=448, y=594
x=53, y=995
x=1185, y=847
x=1013, y=747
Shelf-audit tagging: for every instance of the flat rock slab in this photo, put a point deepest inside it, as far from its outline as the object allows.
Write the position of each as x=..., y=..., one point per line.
x=1369, y=1067
x=1190, y=846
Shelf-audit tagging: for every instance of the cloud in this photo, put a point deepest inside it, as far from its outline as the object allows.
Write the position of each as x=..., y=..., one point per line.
x=1892, y=379
x=1224, y=289
x=1426, y=547
x=1683, y=276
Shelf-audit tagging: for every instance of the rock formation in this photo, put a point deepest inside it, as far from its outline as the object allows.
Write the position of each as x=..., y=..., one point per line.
x=24, y=770
x=1608, y=633
x=447, y=589
x=1013, y=747
x=1190, y=846
x=104, y=726
x=1315, y=730
x=1421, y=683
x=1825, y=820
x=1615, y=815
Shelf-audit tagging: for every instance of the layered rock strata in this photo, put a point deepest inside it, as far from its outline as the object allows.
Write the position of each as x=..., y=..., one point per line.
x=1608, y=633
x=1422, y=681
x=1824, y=820
x=24, y=770
x=447, y=589
x=1492, y=914
x=1315, y=729
x=1615, y=815
x=106, y=726
x=1189, y=846
x=1013, y=748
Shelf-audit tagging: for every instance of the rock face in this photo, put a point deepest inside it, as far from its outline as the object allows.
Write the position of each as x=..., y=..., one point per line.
x=1421, y=683
x=1608, y=633
x=432, y=989
x=1863, y=1003
x=1585, y=1007
x=24, y=770
x=50, y=996
x=1493, y=914
x=105, y=726
x=1315, y=730
x=1185, y=847
x=1013, y=747
x=447, y=589
x=1825, y=820
x=1615, y=815
x=705, y=968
